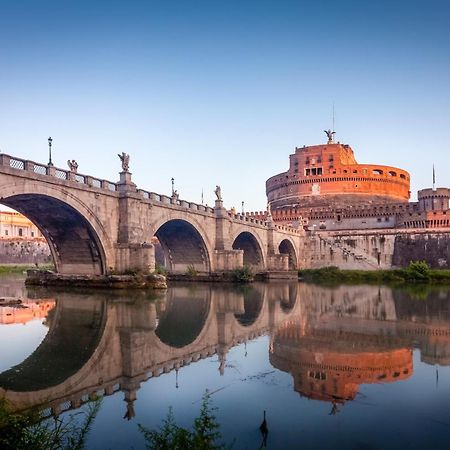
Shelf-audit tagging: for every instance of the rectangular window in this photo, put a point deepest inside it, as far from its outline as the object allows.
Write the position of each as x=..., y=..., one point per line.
x=319, y=171
x=307, y=172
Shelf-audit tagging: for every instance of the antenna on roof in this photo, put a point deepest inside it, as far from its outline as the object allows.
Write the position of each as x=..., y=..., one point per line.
x=332, y=128
x=434, y=179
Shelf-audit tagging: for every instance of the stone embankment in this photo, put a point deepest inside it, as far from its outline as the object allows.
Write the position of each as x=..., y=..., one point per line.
x=24, y=251
x=48, y=278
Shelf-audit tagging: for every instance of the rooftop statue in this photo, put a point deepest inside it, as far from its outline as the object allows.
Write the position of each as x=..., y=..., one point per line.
x=125, y=158
x=329, y=134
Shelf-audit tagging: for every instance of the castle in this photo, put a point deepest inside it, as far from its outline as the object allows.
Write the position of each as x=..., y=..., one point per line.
x=326, y=189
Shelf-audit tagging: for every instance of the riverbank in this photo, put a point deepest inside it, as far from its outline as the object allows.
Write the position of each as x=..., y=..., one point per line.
x=416, y=272
x=48, y=278
x=6, y=269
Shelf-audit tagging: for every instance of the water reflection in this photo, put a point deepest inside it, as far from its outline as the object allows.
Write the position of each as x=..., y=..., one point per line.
x=330, y=340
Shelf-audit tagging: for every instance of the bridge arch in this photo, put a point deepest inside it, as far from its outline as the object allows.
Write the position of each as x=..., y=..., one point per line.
x=252, y=247
x=287, y=247
x=184, y=317
x=77, y=240
x=184, y=246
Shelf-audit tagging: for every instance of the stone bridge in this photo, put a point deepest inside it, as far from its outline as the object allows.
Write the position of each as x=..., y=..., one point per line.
x=98, y=227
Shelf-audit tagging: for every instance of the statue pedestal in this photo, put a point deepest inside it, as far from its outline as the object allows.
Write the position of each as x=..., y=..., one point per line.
x=219, y=204
x=125, y=183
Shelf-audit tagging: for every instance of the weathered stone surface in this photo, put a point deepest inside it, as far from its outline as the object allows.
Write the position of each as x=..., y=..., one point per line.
x=48, y=278
x=434, y=249
x=24, y=251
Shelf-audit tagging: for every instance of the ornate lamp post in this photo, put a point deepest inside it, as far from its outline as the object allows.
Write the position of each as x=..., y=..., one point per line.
x=173, y=180
x=50, y=140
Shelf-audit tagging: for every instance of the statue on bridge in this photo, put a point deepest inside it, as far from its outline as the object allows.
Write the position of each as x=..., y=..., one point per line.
x=125, y=158
x=218, y=192
x=73, y=165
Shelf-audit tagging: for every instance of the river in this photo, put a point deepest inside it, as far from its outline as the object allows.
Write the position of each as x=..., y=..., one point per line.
x=343, y=367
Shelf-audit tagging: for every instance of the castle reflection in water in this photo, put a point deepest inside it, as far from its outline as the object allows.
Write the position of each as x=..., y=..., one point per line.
x=331, y=340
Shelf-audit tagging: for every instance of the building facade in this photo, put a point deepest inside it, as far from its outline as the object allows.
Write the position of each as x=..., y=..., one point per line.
x=15, y=225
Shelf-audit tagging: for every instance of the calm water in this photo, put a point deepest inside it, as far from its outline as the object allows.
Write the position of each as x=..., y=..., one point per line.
x=354, y=367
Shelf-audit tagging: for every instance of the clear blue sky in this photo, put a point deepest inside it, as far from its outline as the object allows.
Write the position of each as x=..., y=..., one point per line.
x=221, y=91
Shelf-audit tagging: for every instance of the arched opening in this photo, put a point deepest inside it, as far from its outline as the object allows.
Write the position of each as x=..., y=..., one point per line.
x=183, y=318
x=74, y=333
x=75, y=246
x=287, y=248
x=252, y=306
x=253, y=256
x=183, y=246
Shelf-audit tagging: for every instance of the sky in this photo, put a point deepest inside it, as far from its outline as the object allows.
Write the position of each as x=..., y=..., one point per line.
x=222, y=91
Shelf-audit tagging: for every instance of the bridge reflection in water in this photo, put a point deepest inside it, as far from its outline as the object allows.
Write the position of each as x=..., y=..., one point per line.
x=330, y=340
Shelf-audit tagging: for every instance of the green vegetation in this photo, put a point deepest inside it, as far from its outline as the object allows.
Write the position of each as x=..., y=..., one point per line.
x=160, y=270
x=243, y=274
x=204, y=435
x=191, y=271
x=27, y=431
x=416, y=272
x=12, y=269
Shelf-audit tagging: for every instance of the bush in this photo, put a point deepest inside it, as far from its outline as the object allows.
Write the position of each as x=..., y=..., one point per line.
x=418, y=271
x=203, y=436
x=191, y=271
x=28, y=431
x=243, y=274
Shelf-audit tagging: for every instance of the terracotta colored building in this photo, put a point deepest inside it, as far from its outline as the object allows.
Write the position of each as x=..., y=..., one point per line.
x=325, y=188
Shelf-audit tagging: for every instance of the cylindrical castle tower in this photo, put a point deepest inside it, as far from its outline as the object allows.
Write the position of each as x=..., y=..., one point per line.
x=329, y=176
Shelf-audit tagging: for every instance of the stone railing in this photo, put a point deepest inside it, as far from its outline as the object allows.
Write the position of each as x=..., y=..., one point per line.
x=165, y=199
x=51, y=171
x=248, y=219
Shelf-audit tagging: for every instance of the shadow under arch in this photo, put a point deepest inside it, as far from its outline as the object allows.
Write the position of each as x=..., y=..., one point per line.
x=183, y=247
x=286, y=247
x=73, y=242
x=253, y=305
x=184, y=317
x=74, y=335
x=253, y=255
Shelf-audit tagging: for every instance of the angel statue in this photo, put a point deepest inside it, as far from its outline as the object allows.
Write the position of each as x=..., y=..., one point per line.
x=218, y=193
x=329, y=134
x=125, y=158
x=73, y=165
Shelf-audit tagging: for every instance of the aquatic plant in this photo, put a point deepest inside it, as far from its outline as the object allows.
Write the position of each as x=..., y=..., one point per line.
x=204, y=435
x=25, y=431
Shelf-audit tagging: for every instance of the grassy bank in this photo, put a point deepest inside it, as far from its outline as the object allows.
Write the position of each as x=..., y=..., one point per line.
x=18, y=268
x=416, y=272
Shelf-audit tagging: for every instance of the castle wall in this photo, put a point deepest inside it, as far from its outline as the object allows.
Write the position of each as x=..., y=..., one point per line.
x=373, y=250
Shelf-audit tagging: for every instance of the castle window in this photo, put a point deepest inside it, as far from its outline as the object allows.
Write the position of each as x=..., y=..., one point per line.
x=378, y=219
x=392, y=173
x=20, y=232
x=6, y=232
x=402, y=176
x=307, y=161
x=377, y=172
x=355, y=171
x=32, y=234
x=345, y=171
x=319, y=159
x=319, y=171
x=307, y=172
